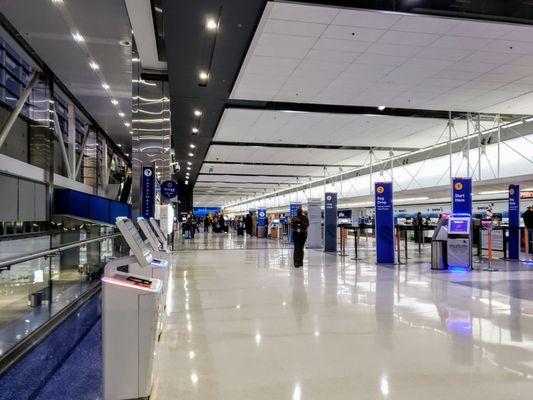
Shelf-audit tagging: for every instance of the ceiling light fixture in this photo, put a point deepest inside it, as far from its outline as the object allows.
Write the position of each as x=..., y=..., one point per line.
x=121, y=114
x=191, y=155
x=105, y=86
x=94, y=66
x=193, y=146
x=186, y=182
x=119, y=145
x=114, y=102
x=127, y=124
x=57, y=1
x=203, y=75
x=211, y=24
x=381, y=108
x=78, y=37
x=197, y=113
x=189, y=163
x=195, y=130
x=127, y=154
x=188, y=168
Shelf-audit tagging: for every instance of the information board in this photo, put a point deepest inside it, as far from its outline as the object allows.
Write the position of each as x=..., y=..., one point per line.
x=514, y=222
x=384, y=222
x=314, y=213
x=147, y=191
x=330, y=222
x=462, y=196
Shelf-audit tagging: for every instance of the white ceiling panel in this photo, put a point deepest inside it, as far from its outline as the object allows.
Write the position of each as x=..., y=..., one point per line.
x=292, y=170
x=359, y=52
x=264, y=126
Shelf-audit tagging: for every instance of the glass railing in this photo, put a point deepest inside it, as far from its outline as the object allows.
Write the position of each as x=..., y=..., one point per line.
x=59, y=270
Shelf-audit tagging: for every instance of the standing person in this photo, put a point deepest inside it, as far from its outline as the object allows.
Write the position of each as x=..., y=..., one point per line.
x=206, y=223
x=248, y=224
x=254, y=224
x=194, y=224
x=299, y=225
x=527, y=216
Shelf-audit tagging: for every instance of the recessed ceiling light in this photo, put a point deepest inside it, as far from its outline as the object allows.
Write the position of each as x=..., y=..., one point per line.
x=127, y=124
x=114, y=102
x=203, y=75
x=94, y=66
x=121, y=114
x=78, y=37
x=186, y=182
x=188, y=162
x=194, y=130
x=381, y=108
x=131, y=132
x=198, y=113
x=127, y=154
x=119, y=145
x=193, y=146
x=57, y=1
x=158, y=9
x=191, y=155
x=105, y=86
x=211, y=24
x=188, y=168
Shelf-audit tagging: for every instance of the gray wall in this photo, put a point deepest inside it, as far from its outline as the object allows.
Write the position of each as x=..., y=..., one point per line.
x=22, y=200
x=16, y=144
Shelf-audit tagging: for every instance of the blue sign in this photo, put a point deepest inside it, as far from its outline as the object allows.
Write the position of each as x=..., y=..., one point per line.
x=462, y=196
x=169, y=189
x=330, y=222
x=293, y=211
x=261, y=218
x=384, y=223
x=147, y=192
x=514, y=222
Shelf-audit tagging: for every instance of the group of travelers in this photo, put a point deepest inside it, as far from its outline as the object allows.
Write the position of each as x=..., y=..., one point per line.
x=192, y=223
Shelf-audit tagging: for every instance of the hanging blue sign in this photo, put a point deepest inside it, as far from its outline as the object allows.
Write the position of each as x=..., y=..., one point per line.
x=293, y=211
x=462, y=196
x=514, y=222
x=384, y=222
x=169, y=189
x=330, y=222
x=147, y=192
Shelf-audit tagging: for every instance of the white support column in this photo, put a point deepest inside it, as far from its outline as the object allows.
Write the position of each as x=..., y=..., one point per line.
x=499, y=139
x=371, y=160
x=59, y=134
x=478, y=129
x=468, y=120
x=450, y=123
x=71, y=140
x=6, y=127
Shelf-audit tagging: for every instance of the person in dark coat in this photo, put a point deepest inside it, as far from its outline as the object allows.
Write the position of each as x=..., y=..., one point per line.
x=299, y=225
x=527, y=216
x=248, y=224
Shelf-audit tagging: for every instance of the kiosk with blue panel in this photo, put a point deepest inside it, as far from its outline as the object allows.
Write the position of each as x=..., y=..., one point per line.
x=459, y=246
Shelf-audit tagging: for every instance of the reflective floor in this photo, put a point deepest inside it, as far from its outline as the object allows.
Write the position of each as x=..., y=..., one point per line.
x=243, y=324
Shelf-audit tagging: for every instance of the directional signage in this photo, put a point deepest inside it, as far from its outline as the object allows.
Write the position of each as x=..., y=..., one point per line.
x=330, y=222
x=384, y=223
x=514, y=222
x=169, y=189
x=147, y=191
x=462, y=196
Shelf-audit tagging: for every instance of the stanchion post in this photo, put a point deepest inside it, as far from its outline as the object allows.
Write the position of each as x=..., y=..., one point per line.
x=489, y=250
x=480, y=245
x=526, y=243
x=406, y=245
x=398, y=240
x=343, y=242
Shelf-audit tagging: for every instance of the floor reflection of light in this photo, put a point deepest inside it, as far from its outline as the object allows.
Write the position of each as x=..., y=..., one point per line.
x=284, y=304
x=257, y=338
x=189, y=327
x=317, y=333
x=194, y=378
x=297, y=393
x=384, y=386
x=191, y=355
x=238, y=306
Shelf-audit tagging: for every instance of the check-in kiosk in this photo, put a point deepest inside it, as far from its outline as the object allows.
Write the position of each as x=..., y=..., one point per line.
x=459, y=249
x=153, y=241
x=439, y=244
x=160, y=235
x=143, y=262
x=131, y=305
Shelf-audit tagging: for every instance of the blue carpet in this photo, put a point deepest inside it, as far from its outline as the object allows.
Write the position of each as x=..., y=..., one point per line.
x=31, y=375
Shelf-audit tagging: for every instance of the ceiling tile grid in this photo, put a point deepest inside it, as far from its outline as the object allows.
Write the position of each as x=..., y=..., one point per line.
x=345, y=54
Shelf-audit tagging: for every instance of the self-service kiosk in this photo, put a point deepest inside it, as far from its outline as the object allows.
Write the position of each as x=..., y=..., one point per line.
x=143, y=261
x=131, y=305
x=160, y=235
x=153, y=241
x=459, y=241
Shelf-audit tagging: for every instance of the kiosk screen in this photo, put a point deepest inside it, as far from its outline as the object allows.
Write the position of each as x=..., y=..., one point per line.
x=459, y=226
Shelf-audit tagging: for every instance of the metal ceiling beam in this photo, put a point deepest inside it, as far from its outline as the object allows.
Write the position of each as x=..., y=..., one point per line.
x=282, y=164
x=311, y=146
x=354, y=110
x=265, y=175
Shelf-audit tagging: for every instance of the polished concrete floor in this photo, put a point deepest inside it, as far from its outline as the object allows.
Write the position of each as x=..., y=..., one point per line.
x=243, y=324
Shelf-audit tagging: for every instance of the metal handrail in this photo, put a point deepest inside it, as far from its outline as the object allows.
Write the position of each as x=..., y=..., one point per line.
x=53, y=252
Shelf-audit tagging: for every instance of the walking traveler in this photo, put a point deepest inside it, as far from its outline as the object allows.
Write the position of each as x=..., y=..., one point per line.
x=299, y=225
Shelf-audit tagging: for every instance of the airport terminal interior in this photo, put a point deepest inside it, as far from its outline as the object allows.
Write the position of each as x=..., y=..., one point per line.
x=263, y=200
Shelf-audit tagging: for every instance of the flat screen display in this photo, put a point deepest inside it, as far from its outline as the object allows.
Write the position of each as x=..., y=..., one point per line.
x=459, y=226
